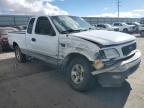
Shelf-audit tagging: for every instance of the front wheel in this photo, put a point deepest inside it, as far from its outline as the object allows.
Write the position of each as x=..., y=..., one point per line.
x=79, y=74
x=19, y=55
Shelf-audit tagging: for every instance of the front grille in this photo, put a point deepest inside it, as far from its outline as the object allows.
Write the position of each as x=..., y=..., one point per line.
x=128, y=49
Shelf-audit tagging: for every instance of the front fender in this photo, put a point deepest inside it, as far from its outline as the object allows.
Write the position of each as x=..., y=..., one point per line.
x=79, y=46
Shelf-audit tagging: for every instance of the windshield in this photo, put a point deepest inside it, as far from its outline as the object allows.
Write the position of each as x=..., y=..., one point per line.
x=137, y=23
x=67, y=24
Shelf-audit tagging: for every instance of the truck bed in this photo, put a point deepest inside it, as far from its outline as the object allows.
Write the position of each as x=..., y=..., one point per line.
x=18, y=37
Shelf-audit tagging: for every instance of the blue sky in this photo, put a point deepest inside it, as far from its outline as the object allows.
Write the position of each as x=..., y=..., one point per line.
x=103, y=8
x=98, y=7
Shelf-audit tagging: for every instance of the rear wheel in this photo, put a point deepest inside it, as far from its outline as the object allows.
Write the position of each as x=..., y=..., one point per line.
x=19, y=55
x=125, y=30
x=79, y=74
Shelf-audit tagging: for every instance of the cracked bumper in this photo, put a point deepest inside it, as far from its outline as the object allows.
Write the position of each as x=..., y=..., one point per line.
x=116, y=75
x=123, y=65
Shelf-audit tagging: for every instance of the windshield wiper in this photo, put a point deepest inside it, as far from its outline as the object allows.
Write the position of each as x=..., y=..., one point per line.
x=74, y=31
x=71, y=31
x=90, y=28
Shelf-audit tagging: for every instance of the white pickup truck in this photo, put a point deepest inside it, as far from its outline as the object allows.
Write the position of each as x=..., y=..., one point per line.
x=71, y=44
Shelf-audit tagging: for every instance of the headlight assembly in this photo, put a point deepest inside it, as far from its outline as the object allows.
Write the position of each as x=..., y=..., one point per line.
x=109, y=53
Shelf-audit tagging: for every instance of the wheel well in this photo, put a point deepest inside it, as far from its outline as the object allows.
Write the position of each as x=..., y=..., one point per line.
x=125, y=29
x=76, y=55
x=70, y=57
x=14, y=44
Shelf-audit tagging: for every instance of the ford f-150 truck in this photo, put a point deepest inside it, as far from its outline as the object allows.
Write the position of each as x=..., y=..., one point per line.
x=73, y=46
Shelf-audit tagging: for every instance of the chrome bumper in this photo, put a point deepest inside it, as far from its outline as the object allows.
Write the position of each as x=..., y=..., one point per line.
x=123, y=65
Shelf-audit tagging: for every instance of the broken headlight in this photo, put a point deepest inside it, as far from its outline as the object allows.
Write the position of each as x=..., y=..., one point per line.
x=108, y=53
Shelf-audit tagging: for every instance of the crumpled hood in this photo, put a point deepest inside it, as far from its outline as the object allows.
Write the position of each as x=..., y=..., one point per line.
x=105, y=37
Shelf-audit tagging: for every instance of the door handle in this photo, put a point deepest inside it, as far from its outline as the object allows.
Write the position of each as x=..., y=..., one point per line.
x=33, y=39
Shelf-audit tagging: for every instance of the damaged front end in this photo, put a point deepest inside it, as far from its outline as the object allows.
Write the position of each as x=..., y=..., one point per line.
x=111, y=71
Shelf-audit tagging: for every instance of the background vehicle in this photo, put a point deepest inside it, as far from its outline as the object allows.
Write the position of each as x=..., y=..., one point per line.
x=22, y=27
x=4, y=37
x=106, y=27
x=136, y=26
x=82, y=52
x=123, y=27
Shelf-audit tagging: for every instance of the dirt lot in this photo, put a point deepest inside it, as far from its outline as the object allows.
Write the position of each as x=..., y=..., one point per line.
x=36, y=85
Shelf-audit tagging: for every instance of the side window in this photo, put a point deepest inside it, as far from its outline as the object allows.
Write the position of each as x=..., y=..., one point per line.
x=30, y=26
x=98, y=26
x=120, y=24
x=116, y=24
x=43, y=27
x=103, y=26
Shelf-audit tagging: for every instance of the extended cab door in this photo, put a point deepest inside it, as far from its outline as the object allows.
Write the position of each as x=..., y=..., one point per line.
x=29, y=34
x=43, y=40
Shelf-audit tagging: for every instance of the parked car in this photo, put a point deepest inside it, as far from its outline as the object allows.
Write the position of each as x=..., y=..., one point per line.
x=70, y=44
x=136, y=26
x=123, y=27
x=21, y=28
x=4, y=37
x=106, y=27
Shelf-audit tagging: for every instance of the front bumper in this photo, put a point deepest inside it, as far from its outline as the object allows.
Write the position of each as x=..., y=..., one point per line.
x=122, y=66
x=116, y=75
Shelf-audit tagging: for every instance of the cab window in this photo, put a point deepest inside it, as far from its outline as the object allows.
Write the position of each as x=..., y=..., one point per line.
x=101, y=26
x=43, y=27
x=30, y=26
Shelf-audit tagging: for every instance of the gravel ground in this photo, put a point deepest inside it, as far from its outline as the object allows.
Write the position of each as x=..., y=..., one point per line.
x=36, y=85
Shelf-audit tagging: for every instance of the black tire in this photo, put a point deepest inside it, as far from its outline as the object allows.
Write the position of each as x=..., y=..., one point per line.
x=125, y=30
x=88, y=79
x=19, y=55
x=142, y=33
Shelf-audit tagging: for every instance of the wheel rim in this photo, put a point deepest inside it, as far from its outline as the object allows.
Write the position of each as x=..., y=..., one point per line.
x=77, y=73
x=17, y=54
